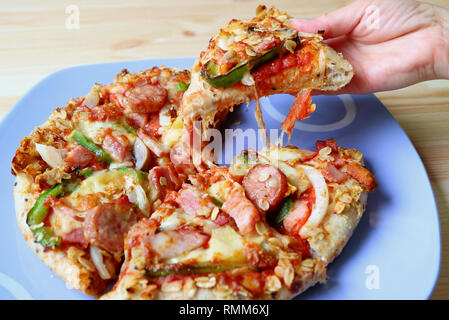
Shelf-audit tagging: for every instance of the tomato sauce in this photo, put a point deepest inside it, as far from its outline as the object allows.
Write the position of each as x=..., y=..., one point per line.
x=300, y=58
x=309, y=197
x=153, y=125
x=106, y=112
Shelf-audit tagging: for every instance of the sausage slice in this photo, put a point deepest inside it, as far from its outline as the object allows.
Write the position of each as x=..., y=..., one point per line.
x=146, y=98
x=265, y=185
x=107, y=225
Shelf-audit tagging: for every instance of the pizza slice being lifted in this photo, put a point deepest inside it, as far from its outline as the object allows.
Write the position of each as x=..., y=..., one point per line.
x=263, y=56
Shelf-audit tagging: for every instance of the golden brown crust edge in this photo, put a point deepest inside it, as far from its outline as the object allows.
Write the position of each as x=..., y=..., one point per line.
x=76, y=275
x=328, y=240
x=133, y=286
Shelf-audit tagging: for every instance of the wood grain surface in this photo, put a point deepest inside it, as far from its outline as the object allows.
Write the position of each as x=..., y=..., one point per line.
x=35, y=42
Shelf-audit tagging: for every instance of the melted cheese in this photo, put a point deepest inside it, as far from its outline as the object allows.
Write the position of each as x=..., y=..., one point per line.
x=62, y=223
x=108, y=182
x=225, y=245
x=94, y=130
x=174, y=220
x=174, y=133
x=283, y=154
x=220, y=190
x=259, y=117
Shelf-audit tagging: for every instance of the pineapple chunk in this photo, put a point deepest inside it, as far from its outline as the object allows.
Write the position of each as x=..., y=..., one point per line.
x=174, y=133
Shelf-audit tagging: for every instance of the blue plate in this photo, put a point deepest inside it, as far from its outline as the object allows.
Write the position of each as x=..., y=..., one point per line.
x=394, y=253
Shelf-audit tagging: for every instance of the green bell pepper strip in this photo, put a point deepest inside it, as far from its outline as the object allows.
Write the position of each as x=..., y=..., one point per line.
x=70, y=186
x=86, y=172
x=124, y=126
x=223, y=80
x=85, y=142
x=286, y=206
x=139, y=175
x=267, y=56
x=217, y=202
x=37, y=214
x=209, y=70
x=46, y=237
x=188, y=270
x=181, y=86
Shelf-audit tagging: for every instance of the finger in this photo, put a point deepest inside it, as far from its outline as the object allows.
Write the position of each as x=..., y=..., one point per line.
x=334, y=24
x=357, y=85
x=310, y=25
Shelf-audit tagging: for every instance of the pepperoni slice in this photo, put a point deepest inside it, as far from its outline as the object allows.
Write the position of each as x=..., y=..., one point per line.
x=107, y=224
x=265, y=185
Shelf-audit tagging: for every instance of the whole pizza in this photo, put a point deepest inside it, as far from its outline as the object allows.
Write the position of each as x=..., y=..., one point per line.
x=114, y=195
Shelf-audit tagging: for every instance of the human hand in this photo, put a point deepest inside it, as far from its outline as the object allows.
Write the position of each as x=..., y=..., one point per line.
x=408, y=43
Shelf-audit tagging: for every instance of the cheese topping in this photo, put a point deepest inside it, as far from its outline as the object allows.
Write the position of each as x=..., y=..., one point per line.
x=225, y=245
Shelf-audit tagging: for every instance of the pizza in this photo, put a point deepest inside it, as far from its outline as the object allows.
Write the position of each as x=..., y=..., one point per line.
x=264, y=228
x=82, y=177
x=247, y=60
x=110, y=194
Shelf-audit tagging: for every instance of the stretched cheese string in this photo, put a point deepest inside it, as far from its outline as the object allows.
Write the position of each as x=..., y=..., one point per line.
x=259, y=117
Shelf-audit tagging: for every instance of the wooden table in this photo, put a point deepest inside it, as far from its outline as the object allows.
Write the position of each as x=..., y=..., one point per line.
x=35, y=42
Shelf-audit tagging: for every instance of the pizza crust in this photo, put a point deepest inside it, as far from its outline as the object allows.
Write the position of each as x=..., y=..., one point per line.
x=75, y=274
x=338, y=71
x=329, y=239
x=133, y=286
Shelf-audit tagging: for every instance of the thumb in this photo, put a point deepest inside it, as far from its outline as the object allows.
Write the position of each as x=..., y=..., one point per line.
x=334, y=24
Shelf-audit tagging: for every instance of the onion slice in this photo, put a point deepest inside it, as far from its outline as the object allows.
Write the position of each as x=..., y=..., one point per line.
x=155, y=146
x=141, y=154
x=165, y=118
x=137, y=195
x=50, y=155
x=321, y=202
x=93, y=97
x=124, y=164
x=97, y=259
